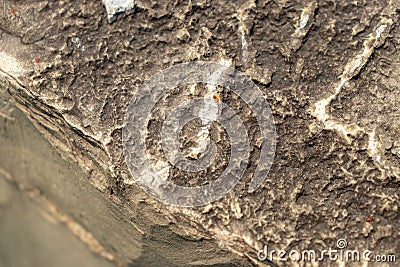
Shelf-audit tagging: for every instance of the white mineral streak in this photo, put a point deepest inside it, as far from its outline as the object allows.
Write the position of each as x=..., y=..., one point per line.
x=352, y=68
x=245, y=46
x=373, y=147
x=303, y=26
x=380, y=30
x=242, y=16
x=78, y=44
x=304, y=17
x=210, y=110
x=114, y=7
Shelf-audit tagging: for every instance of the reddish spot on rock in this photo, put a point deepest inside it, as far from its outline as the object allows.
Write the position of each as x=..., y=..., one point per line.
x=37, y=60
x=217, y=97
x=368, y=220
x=14, y=11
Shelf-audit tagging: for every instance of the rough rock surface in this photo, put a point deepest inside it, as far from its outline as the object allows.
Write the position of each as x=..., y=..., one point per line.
x=329, y=70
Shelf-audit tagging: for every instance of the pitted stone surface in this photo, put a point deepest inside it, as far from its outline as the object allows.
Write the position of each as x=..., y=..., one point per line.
x=328, y=69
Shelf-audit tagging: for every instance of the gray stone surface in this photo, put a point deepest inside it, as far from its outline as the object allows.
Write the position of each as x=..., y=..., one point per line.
x=329, y=70
x=29, y=239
